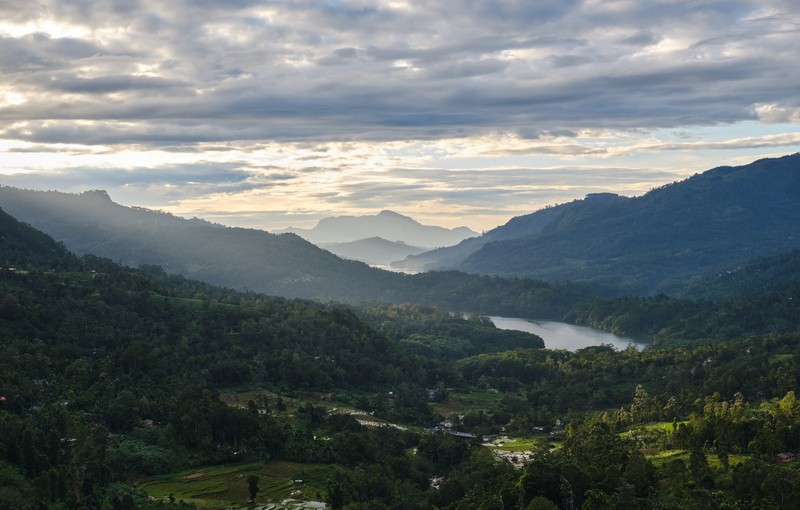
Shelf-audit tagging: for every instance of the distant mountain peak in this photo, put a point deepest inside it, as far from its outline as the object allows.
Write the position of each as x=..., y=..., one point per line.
x=389, y=225
x=387, y=212
x=709, y=221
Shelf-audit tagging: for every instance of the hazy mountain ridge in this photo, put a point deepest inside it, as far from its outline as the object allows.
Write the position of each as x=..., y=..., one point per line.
x=284, y=265
x=22, y=244
x=387, y=225
x=710, y=221
x=452, y=257
x=241, y=258
x=39, y=205
x=375, y=251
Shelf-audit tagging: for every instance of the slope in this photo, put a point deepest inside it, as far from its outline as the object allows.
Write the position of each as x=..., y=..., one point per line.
x=716, y=219
x=283, y=265
x=776, y=273
x=20, y=244
x=521, y=226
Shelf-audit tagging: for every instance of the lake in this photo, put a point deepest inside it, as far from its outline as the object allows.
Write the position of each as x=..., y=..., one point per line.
x=560, y=335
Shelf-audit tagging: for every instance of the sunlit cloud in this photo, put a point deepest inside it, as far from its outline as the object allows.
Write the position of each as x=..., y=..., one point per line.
x=266, y=113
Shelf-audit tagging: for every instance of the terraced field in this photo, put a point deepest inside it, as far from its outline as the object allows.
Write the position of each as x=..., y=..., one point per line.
x=216, y=487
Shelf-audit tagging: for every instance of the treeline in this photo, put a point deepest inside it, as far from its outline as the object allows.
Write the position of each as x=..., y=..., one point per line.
x=671, y=321
x=109, y=373
x=91, y=352
x=435, y=333
x=121, y=321
x=598, y=378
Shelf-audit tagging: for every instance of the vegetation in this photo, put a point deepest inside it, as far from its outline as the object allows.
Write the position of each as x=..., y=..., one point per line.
x=126, y=388
x=774, y=274
x=254, y=260
x=435, y=333
x=643, y=245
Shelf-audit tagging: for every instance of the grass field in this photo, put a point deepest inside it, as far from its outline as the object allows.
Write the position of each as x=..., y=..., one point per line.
x=661, y=426
x=217, y=487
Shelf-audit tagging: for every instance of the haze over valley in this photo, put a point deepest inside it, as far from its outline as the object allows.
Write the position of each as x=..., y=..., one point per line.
x=399, y=255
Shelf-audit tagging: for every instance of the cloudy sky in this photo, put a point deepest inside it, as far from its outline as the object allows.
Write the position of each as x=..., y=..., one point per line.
x=274, y=113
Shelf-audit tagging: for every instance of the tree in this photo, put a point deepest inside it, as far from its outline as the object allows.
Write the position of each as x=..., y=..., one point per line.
x=640, y=474
x=643, y=405
x=252, y=487
x=541, y=503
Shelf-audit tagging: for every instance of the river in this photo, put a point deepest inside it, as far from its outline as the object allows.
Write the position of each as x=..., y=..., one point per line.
x=560, y=335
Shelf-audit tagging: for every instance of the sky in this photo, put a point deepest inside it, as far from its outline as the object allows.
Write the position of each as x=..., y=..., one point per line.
x=268, y=114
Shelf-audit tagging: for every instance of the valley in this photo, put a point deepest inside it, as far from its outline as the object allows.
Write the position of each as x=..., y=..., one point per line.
x=138, y=386
x=399, y=255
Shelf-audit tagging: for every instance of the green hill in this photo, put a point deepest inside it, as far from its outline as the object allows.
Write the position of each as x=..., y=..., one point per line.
x=248, y=259
x=708, y=222
x=112, y=374
x=285, y=265
x=776, y=273
x=22, y=245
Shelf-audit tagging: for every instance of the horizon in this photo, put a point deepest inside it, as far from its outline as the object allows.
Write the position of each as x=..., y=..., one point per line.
x=266, y=115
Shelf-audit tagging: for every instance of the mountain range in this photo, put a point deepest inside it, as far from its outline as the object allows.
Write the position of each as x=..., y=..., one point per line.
x=375, y=251
x=387, y=225
x=450, y=257
x=277, y=264
x=285, y=265
x=643, y=245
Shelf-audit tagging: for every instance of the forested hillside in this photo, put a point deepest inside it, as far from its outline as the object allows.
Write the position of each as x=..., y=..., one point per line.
x=720, y=218
x=253, y=260
x=24, y=245
x=775, y=273
x=527, y=225
x=116, y=379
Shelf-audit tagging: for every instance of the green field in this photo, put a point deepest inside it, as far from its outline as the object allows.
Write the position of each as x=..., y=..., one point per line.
x=216, y=487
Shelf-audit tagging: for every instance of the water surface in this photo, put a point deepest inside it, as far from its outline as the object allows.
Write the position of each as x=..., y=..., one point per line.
x=560, y=335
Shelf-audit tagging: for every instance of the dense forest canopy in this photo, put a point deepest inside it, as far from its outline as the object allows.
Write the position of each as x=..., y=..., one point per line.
x=115, y=378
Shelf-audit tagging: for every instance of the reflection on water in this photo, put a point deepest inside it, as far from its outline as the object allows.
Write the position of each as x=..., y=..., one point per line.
x=560, y=335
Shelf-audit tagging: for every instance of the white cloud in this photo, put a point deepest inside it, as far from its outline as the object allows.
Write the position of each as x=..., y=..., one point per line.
x=339, y=94
x=774, y=113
